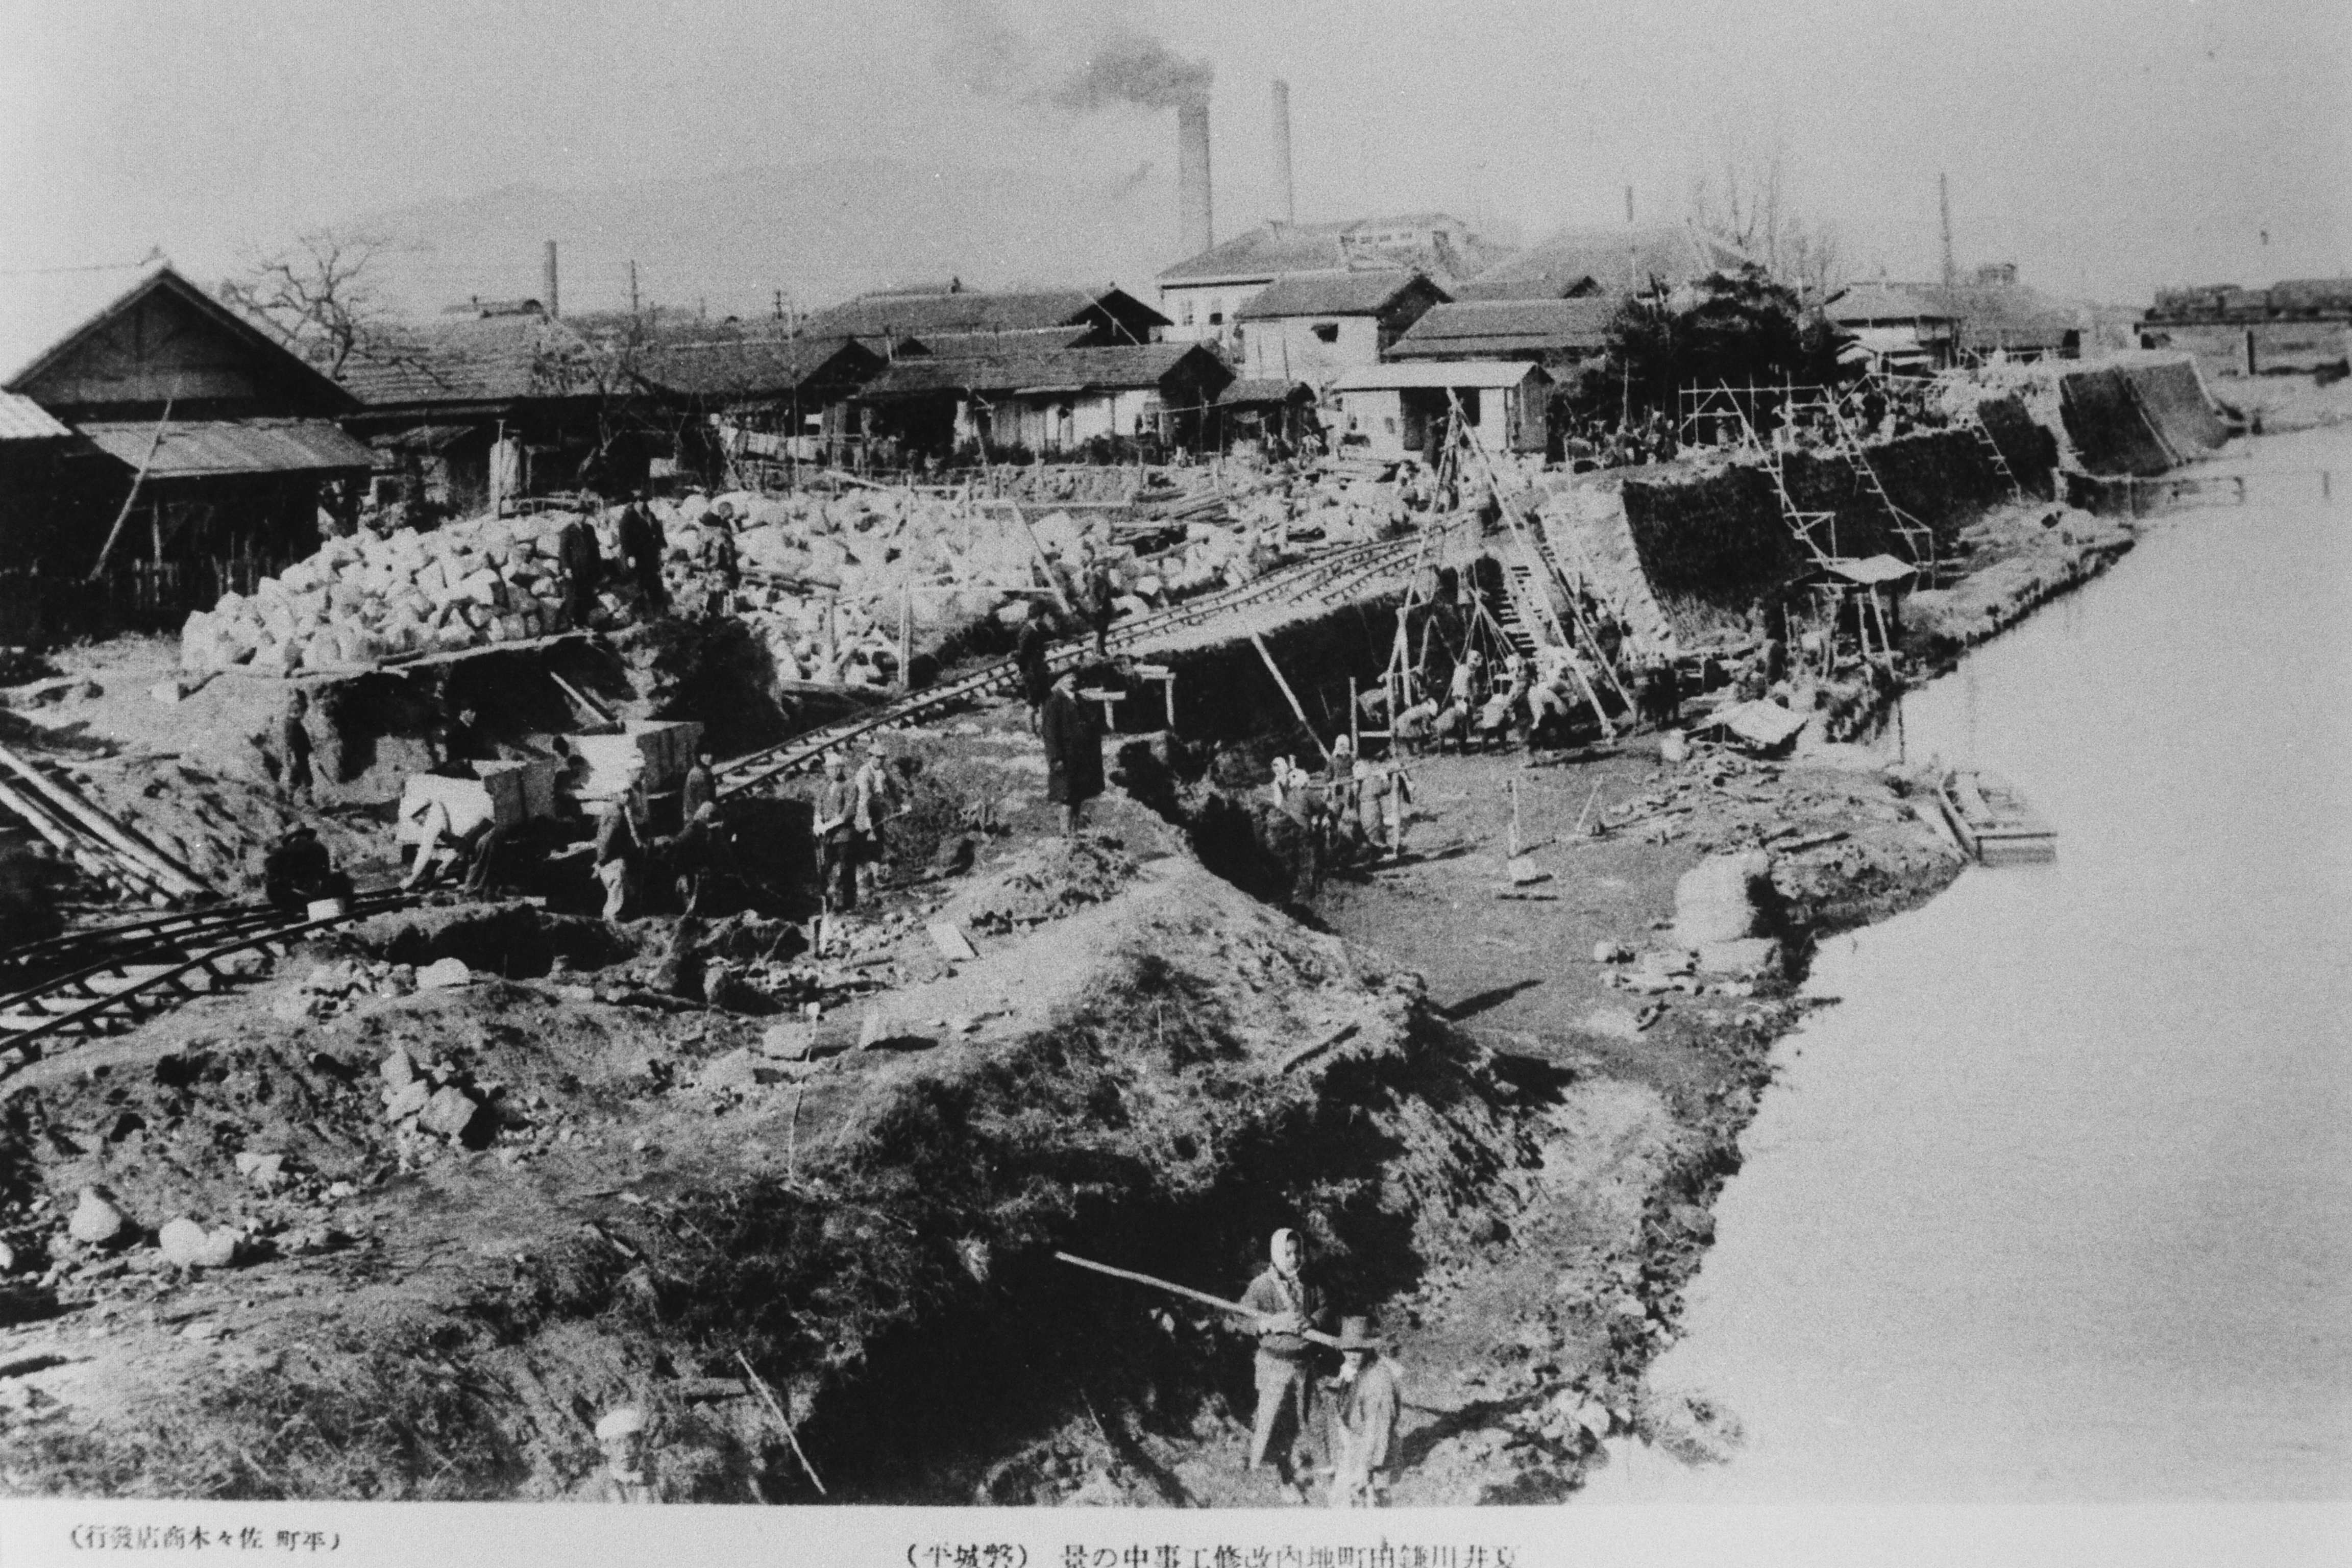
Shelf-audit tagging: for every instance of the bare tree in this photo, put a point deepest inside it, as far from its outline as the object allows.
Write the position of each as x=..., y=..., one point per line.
x=319, y=292
x=1743, y=202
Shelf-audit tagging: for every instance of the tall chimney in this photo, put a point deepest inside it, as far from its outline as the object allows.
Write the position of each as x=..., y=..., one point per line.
x=1286, y=202
x=1195, y=225
x=548, y=287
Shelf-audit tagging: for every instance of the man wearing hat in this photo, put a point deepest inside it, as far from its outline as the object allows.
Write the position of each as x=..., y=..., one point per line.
x=628, y=1476
x=1364, y=1407
x=1074, y=768
x=1287, y=1303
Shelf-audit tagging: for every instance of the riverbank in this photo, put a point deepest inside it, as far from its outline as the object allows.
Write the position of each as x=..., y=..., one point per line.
x=460, y=1223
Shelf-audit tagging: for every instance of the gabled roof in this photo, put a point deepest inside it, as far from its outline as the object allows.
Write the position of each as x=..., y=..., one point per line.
x=890, y=316
x=1865, y=303
x=1486, y=372
x=44, y=315
x=1334, y=294
x=467, y=360
x=1614, y=259
x=753, y=367
x=39, y=310
x=1474, y=329
x=1122, y=369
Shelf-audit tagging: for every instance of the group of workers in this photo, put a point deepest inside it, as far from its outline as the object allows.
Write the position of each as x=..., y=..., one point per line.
x=640, y=544
x=1354, y=807
x=853, y=812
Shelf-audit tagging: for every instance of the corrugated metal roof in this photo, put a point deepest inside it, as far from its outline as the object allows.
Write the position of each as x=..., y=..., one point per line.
x=1480, y=373
x=1110, y=370
x=231, y=447
x=22, y=419
x=1467, y=327
x=1332, y=294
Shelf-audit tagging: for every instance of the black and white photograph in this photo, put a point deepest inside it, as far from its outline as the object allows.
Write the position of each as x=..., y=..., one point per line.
x=1169, y=783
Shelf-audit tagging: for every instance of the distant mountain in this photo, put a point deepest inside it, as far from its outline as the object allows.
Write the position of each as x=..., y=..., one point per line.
x=820, y=232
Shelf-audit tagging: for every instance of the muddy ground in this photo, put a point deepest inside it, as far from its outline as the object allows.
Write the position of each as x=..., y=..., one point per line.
x=460, y=1221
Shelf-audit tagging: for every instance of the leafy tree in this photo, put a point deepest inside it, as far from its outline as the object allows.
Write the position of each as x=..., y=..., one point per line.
x=1729, y=328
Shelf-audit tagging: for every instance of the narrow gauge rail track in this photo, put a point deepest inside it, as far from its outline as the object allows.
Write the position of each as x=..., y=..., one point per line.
x=105, y=980
x=1325, y=578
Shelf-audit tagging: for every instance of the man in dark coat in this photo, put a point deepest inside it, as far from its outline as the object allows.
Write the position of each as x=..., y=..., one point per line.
x=1074, y=770
x=1096, y=577
x=1029, y=656
x=584, y=569
x=641, y=546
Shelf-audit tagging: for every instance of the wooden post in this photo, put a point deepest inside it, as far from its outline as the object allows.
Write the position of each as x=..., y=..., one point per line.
x=128, y=501
x=1355, y=724
x=1289, y=695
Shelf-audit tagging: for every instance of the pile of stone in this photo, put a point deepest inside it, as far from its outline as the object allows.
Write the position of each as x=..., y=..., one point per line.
x=831, y=583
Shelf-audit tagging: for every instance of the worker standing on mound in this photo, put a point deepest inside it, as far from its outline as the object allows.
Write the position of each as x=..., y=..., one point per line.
x=584, y=570
x=1073, y=769
x=1286, y=1302
x=641, y=546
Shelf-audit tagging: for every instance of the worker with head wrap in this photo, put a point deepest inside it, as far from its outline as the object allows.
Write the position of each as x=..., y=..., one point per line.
x=1286, y=1302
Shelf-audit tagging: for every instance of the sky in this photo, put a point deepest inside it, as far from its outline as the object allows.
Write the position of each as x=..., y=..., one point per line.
x=2108, y=147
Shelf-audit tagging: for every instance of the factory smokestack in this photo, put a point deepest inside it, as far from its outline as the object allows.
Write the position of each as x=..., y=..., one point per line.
x=1195, y=221
x=1286, y=202
x=548, y=285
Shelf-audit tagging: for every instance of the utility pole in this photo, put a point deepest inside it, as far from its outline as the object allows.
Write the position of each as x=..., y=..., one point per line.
x=1951, y=267
x=633, y=288
x=780, y=304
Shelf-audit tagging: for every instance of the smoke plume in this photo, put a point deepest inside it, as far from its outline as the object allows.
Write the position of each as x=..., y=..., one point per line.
x=1122, y=67
x=1126, y=68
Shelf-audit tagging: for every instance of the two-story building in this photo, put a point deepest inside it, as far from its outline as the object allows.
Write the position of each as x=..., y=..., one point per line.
x=1203, y=295
x=1311, y=326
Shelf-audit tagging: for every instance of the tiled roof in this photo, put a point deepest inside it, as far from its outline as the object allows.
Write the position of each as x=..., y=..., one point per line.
x=753, y=367
x=893, y=315
x=1866, y=302
x=1613, y=258
x=1331, y=294
x=984, y=345
x=1266, y=389
x=466, y=360
x=1112, y=369
x=22, y=419
x=230, y=447
x=1474, y=328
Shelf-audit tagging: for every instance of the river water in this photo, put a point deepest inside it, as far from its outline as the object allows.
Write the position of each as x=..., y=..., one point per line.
x=2055, y=1205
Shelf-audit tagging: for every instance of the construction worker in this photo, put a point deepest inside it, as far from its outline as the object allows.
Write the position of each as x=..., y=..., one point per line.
x=1030, y=654
x=1365, y=1405
x=619, y=843
x=629, y=1471
x=584, y=570
x=1286, y=1301
x=726, y=562
x=1096, y=575
x=294, y=743
x=697, y=794
x=836, y=835
x=641, y=544
x=875, y=792
x=1074, y=770
x=298, y=871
